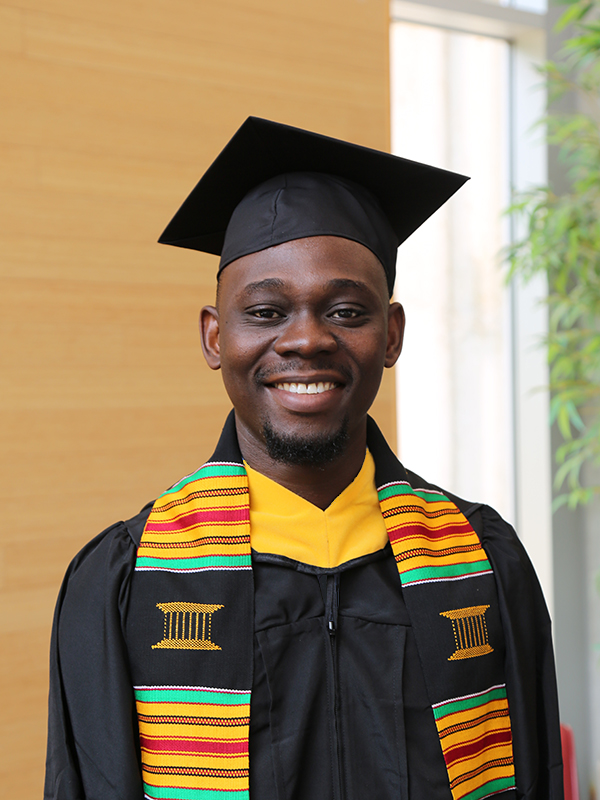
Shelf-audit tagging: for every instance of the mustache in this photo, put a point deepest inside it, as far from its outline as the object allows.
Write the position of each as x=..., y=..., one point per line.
x=264, y=374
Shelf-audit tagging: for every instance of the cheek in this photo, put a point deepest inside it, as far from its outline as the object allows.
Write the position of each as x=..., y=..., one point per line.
x=240, y=358
x=370, y=351
x=236, y=349
x=371, y=363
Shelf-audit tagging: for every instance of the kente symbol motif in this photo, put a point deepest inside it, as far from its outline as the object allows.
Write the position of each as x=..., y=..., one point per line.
x=470, y=632
x=187, y=626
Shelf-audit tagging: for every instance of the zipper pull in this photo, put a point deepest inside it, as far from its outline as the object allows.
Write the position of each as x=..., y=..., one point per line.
x=333, y=602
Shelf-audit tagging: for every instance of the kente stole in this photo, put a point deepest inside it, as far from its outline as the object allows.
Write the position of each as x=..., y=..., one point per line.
x=194, y=733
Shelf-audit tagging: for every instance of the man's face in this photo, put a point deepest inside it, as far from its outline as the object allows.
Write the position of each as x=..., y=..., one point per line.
x=302, y=333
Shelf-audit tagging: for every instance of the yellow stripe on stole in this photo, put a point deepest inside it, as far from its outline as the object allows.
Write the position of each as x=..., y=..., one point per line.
x=421, y=535
x=209, y=488
x=462, y=789
x=193, y=709
x=155, y=759
x=193, y=551
x=172, y=721
x=170, y=730
x=175, y=504
x=403, y=520
x=435, y=511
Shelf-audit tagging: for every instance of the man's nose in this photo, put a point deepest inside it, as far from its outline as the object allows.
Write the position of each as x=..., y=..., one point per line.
x=307, y=335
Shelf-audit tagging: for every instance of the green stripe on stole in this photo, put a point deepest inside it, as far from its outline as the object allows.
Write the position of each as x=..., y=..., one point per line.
x=441, y=564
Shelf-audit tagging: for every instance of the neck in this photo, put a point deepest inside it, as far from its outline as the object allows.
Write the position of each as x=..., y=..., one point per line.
x=320, y=485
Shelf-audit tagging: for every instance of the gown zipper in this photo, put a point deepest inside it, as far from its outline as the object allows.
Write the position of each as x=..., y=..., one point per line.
x=331, y=622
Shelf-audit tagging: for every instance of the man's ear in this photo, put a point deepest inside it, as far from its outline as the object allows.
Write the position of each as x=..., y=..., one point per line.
x=396, y=322
x=209, y=336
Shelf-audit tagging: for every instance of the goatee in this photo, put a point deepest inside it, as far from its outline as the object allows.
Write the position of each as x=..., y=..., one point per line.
x=313, y=451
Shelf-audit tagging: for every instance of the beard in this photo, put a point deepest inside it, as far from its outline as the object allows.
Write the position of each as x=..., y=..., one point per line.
x=315, y=451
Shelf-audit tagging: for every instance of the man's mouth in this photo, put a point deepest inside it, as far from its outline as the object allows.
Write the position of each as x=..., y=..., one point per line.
x=307, y=388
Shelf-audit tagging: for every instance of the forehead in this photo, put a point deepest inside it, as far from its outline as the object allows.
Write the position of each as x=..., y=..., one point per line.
x=318, y=263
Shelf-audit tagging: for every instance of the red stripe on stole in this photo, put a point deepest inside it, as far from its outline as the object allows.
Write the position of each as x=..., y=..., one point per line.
x=228, y=747
x=222, y=515
x=469, y=750
x=422, y=532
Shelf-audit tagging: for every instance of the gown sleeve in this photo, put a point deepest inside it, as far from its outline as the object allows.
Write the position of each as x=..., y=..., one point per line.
x=530, y=675
x=93, y=743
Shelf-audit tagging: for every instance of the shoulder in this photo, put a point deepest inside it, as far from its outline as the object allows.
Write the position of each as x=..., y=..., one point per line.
x=103, y=565
x=119, y=539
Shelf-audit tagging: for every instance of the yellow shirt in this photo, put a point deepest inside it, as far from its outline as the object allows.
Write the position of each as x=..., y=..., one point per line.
x=285, y=524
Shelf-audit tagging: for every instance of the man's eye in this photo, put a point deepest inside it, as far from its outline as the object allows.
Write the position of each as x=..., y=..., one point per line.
x=346, y=313
x=265, y=313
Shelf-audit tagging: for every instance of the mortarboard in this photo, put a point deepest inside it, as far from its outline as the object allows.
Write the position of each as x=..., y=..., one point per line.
x=295, y=183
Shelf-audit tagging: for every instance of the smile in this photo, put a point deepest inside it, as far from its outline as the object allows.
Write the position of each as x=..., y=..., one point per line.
x=307, y=388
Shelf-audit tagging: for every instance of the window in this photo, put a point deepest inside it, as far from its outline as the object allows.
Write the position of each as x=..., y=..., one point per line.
x=464, y=97
x=456, y=86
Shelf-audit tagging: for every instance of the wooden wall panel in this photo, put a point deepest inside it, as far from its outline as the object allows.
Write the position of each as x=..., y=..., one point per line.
x=110, y=113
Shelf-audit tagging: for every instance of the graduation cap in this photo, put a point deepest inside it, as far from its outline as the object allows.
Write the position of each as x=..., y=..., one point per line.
x=273, y=183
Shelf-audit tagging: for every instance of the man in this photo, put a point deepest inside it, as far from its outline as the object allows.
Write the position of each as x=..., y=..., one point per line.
x=302, y=618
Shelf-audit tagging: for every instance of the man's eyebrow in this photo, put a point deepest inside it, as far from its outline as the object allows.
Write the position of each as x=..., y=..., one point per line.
x=334, y=283
x=266, y=283
x=348, y=283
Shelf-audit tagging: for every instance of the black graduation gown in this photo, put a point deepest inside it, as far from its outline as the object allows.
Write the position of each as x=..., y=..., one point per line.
x=339, y=706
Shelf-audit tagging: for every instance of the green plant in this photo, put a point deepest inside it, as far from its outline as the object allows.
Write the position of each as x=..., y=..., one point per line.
x=562, y=240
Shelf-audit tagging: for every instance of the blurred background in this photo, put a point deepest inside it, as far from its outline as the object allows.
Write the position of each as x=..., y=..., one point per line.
x=109, y=114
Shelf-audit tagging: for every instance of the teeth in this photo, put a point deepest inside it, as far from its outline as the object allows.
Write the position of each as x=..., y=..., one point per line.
x=307, y=388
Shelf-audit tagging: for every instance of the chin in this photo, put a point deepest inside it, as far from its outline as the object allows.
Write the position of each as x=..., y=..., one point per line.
x=314, y=450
